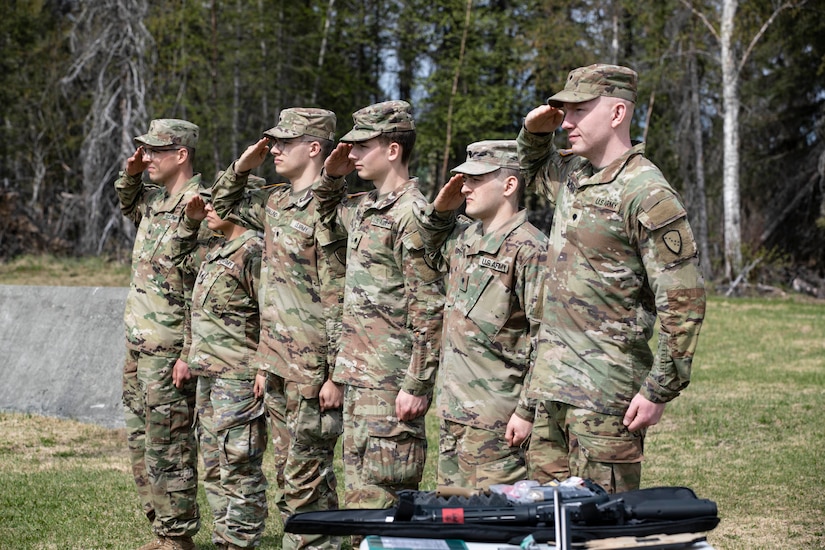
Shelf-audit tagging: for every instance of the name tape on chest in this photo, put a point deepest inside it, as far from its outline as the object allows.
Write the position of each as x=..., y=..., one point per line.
x=382, y=222
x=490, y=263
x=227, y=263
x=607, y=202
x=300, y=227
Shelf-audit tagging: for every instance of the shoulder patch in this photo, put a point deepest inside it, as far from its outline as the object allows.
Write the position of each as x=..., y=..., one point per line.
x=661, y=209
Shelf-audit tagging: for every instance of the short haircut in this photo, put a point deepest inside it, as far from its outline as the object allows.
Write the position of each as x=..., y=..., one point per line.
x=406, y=139
x=519, y=175
x=327, y=145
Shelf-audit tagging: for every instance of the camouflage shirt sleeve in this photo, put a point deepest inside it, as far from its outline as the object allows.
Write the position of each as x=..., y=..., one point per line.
x=332, y=211
x=540, y=162
x=532, y=296
x=229, y=196
x=438, y=231
x=669, y=253
x=424, y=287
x=130, y=192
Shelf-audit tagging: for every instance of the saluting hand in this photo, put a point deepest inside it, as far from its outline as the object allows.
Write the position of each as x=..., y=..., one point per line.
x=135, y=164
x=450, y=197
x=253, y=156
x=544, y=119
x=196, y=208
x=338, y=163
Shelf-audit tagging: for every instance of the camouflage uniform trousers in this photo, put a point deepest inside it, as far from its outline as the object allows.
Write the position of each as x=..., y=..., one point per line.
x=134, y=412
x=233, y=439
x=567, y=441
x=308, y=481
x=476, y=458
x=171, y=450
x=381, y=454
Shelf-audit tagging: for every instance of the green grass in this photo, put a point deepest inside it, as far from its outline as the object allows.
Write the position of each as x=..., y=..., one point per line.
x=747, y=434
x=52, y=270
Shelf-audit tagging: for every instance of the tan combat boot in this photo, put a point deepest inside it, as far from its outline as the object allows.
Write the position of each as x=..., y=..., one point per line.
x=153, y=545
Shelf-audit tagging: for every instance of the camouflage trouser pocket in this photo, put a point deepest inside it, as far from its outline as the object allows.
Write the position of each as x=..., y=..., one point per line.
x=314, y=426
x=614, y=462
x=180, y=480
x=394, y=457
x=243, y=449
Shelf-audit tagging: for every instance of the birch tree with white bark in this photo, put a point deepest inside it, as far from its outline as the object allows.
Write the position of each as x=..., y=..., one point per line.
x=731, y=62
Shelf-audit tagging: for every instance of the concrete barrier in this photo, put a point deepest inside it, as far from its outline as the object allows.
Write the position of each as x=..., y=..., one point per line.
x=62, y=351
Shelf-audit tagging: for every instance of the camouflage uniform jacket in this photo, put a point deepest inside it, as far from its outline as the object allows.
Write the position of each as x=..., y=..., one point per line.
x=302, y=277
x=393, y=300
x=491, y=316
x=620, y=252
x=157, y=315
x=225, y=320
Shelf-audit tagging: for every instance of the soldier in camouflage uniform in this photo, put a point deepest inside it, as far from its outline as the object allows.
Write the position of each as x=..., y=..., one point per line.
x=491, y=316
x=224, y=338
x=158, y=391
x=302, y=281
x=393, y=303
x=620, y=253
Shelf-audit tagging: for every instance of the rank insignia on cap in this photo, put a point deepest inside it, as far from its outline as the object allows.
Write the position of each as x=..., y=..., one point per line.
x=673, y=241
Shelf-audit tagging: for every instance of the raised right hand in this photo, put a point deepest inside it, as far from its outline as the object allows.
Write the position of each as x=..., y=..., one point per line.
x=253, y=156
x=135, y=164
x=450, y=197
x=544, y=119
x=338, y=162
x=196, y=208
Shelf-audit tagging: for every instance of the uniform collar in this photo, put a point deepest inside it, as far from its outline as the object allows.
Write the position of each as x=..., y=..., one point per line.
x=491, y=242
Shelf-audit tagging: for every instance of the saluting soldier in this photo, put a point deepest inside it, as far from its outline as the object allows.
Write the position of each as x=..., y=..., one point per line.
x=621, y=252
x=495, y=262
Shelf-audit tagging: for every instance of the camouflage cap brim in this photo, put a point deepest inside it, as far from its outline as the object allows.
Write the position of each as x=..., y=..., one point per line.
x=475, y=168
x=359, y=134
x=565, y=96
x=152, y=141
x=282, y=133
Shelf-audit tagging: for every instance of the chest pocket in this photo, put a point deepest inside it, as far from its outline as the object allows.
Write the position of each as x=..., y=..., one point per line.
x=334, y=250
x=486, y=300
x=214, y=290
x=156, y=236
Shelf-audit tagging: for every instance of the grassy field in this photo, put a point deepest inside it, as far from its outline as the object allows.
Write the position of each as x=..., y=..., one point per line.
x=746, y=434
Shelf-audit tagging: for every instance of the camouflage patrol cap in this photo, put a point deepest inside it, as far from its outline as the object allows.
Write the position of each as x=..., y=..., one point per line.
x=164, y=132
x=380, y=118
x=296, y=122
x=586, y=83
x=488, y=156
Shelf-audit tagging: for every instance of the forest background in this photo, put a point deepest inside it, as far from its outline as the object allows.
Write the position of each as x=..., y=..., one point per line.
x=730, y=102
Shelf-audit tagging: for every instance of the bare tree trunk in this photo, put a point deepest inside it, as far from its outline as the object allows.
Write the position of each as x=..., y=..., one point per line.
x=731, y=71
x=216, y=153
x=322, y=51
x=236, y=82
x=264, y=95
x=700, y=196
x=449, y=137
x=109, y=40
x=730, y=163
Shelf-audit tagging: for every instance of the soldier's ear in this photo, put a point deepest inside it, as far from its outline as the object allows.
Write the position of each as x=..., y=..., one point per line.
x=510, y=186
